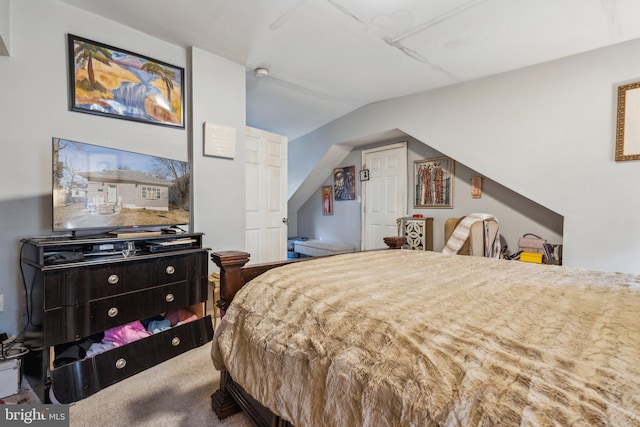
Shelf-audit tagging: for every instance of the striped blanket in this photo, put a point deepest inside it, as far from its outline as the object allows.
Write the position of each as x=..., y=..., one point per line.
x=491, y=244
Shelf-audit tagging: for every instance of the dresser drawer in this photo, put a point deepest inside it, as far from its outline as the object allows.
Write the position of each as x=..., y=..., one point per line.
x=73, y=286
x=70, y=323
x=81, y=379
x=110, y=312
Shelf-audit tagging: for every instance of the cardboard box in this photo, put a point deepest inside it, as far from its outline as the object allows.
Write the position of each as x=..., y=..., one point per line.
x=10, y=377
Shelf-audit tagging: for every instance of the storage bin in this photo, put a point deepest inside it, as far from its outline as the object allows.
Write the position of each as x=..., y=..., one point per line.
x=10, y=377
x=531, y=257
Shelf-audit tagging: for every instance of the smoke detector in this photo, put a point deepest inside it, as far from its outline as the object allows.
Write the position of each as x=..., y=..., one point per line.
x=261, y=72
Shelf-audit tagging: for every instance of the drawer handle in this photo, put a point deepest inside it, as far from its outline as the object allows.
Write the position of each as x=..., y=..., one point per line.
x=121, y=363
x=169, y=298
x=175, y=341
x=113, y=312
x=170, y=269
x=113, y=279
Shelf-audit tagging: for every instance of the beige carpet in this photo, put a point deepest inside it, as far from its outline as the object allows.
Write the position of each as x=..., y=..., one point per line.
x=174, y=393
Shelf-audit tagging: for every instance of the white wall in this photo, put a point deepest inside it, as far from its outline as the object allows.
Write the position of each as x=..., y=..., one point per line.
x=219, y=97
x=34, y=108
x=344, y=225
x=546, y=132
x=5, y=27
x=517, y=215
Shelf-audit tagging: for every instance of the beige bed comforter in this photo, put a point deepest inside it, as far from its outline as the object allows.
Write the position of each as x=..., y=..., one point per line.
x=402, y=338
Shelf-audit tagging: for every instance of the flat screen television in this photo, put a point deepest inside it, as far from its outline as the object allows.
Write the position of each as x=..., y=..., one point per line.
x=109, y=189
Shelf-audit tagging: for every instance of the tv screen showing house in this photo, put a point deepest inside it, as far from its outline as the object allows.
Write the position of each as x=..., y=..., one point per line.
x=100, y=187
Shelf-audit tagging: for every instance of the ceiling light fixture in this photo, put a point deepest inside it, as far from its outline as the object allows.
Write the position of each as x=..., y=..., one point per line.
x=261, y=72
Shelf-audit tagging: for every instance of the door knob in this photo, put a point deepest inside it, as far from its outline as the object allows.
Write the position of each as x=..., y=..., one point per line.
x=285, y=220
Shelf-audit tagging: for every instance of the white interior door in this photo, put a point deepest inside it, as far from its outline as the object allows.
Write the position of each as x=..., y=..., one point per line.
x=385, y=193
x=266, y=195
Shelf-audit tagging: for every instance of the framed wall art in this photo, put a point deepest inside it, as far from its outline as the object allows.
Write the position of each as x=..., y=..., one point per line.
x=628, y=122
x=344, y=183
x=433, y=183
x=476, y=187
x=327, y=200
x=113, y=82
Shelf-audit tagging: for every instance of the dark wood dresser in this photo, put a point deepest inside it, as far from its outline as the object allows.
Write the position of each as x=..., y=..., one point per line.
x=83, y=287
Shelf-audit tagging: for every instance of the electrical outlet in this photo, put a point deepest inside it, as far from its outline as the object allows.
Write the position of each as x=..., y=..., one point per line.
x=1, y=302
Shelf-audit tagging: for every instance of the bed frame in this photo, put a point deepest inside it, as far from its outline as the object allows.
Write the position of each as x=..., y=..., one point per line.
x=230, y=398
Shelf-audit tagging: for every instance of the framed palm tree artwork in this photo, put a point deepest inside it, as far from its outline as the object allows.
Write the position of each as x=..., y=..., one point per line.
x=113, y=82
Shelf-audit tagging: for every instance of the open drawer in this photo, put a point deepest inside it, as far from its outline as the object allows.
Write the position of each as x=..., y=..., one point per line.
x=75, y=381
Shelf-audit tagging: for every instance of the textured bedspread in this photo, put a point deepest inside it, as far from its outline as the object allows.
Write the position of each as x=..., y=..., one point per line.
x=401, y=338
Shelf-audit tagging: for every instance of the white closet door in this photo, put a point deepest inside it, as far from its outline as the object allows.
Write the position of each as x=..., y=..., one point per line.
x=385, y=193
x=266, y=195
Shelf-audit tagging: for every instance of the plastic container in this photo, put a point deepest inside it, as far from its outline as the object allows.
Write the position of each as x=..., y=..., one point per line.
x=10, y=377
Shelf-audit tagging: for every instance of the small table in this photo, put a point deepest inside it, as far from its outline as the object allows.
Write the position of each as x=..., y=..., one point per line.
x=418, y=231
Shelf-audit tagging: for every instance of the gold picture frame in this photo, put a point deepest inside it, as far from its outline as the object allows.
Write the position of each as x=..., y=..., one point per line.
x=628, y=122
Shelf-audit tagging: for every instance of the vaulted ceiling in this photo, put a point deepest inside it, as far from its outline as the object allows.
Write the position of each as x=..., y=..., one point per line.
x=329, y=57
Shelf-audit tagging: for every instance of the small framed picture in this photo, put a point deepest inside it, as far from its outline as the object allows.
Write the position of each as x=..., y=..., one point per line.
x=364, y=175
x=327, y=200
x=344, y=183
x=476, y=187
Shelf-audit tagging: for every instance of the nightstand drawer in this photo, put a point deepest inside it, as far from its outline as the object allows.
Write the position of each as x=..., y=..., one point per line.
x=81, y=379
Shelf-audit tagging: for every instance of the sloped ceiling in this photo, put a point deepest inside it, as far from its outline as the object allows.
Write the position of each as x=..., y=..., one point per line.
x=329, y=57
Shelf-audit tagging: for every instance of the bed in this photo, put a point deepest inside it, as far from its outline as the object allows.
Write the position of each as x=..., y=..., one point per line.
x=401, y=337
